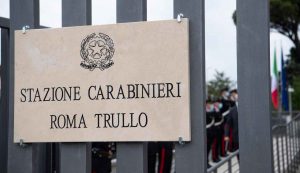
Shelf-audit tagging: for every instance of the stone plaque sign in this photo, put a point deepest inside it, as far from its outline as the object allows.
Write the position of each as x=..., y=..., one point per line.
x=120, y=82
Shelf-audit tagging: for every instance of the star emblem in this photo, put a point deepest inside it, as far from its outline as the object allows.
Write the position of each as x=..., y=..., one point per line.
x=97, y=49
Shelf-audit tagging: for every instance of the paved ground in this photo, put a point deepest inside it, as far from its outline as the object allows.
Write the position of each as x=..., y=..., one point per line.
x=235, y=168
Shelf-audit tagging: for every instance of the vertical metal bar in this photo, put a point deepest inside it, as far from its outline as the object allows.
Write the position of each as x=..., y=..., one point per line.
x=132, y=11
x=75, y=157
x=287, y=150
x=289, y=154
x=49, y=158
x=138, y=158
x=294, y=145
x=39, y=158
x=229, y=166
x=296, y=142
x=4, y=98
x=291, y=147
x=29, y=159
x=253, y=53
x=274, y=151
x=190, y=157
x=76, y=12
x=277, y=152
x=56, y=157
x=297, y=138
x=282, y=151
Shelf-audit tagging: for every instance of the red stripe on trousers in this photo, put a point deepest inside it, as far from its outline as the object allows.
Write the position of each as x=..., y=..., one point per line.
x=214, y=150
x=162, y=160
x=223, y=145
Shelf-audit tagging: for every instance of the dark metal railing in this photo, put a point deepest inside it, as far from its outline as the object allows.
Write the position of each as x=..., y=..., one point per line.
x=286, y=141
x=228, y=161
x=286, y=149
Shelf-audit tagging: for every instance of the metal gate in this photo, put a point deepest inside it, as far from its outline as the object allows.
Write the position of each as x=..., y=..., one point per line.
x=253, y=82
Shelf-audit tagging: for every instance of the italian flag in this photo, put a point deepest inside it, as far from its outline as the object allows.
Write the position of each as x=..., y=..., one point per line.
x=275, y=82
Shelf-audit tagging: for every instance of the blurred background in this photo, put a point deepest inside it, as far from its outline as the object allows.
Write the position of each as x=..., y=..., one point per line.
x=220, y=32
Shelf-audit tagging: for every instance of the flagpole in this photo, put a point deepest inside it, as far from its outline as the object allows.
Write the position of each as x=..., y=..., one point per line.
x=279, y=88
x=290, y=90
x=279, y=95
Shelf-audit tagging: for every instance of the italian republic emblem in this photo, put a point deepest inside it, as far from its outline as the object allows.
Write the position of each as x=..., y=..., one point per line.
x=97, y=50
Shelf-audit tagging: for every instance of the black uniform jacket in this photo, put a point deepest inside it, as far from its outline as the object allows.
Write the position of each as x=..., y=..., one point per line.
x=232, y=122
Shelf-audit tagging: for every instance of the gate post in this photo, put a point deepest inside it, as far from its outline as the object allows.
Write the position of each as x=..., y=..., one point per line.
x=4, y=98
x=253, y=66
x=191, y=157
x=27, y=159
x=132, y=157
x=75, y=157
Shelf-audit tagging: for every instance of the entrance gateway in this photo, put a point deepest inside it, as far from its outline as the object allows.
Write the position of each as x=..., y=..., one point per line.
x=252, y=53
x=103, y=83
